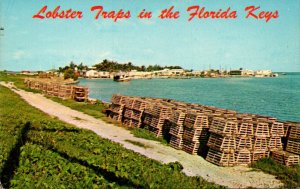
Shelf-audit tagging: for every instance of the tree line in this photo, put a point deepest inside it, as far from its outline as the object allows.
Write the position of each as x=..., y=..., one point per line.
x=113, y=66
x=109, y=66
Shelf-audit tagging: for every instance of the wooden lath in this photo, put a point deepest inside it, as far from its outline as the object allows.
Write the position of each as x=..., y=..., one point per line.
x=245, y=129
x=222, y=143
x=260, y=144
x=244, y=143
x=277, y=129
x=259, y=154
x=176, y=142
x=275, y=144
x=224, y=159
x=177, y=117
x=294, y=132
x=243, y=157
x=222, y=126
x=176, y=130
x=293, y=146
x=196, y=121
x=261, y=129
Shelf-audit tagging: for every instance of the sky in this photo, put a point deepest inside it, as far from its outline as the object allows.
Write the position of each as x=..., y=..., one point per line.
x=43, y=44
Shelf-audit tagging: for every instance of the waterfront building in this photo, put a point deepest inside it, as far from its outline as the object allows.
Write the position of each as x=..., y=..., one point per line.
x=176, y=71
x=97, y=74
x=263, y=73
x=197, y=72
x=169, y=72
x=104, y=74
x=248, y=72
x=164, y=72
x=139, y=74
x=91, y=74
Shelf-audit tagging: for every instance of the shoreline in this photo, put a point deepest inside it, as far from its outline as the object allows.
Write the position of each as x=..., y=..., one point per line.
x=180, y=77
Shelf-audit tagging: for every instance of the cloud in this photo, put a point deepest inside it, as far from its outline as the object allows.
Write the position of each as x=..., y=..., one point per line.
x=19, y=55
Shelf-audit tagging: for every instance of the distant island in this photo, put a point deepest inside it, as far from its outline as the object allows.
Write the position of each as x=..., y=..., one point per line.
x=109, y=69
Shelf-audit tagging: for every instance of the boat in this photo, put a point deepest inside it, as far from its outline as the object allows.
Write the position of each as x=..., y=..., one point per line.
x=121, y=77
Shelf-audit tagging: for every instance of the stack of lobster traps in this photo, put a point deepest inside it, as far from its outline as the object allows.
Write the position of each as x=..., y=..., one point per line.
x=276, y=129
x=44, y=87
x=128, y=110
x=223, y=137
x=32, y=84
x=128, y=104
x=55, y=91
x=267, y=137
x=46, y=75
x=159, y=113
x=285, y=158
x=147, y=117
x=244, y=139
x=293, y=142
x=133, y=112
x=195, y=132
x=139, y=105
x=177, y=118
x=65, y=91
x=116, y=108
x=78, y=93
x=222, y=142
x=260, y=139
x=50, y=89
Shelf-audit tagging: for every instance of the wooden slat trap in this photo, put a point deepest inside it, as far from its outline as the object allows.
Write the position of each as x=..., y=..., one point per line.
x=223, y=137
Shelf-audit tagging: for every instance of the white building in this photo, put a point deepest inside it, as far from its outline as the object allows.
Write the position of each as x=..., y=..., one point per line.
x=263, y=73
x=138, y=74
x=168, y=72
x=91, y=74
x=248, y=72
x=176, y=71
x=196, y=72
x=104, y=74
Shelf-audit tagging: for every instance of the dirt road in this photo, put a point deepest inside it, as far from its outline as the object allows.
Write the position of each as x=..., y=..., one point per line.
x=233, y=177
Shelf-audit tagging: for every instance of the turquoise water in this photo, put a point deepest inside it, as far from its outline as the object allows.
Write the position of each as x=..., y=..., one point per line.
x=278, y=97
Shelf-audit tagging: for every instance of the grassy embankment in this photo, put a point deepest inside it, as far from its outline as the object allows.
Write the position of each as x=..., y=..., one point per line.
x=289, y=175
x=18, y=81
x=38, y=151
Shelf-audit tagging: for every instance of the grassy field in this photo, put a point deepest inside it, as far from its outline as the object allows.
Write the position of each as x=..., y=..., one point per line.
x=38, y=151
x=17, y=79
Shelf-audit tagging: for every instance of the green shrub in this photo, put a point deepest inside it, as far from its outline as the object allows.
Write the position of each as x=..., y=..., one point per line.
x=290, y=176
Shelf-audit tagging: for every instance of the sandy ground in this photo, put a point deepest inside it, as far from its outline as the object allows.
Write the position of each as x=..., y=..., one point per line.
x=233, y=177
